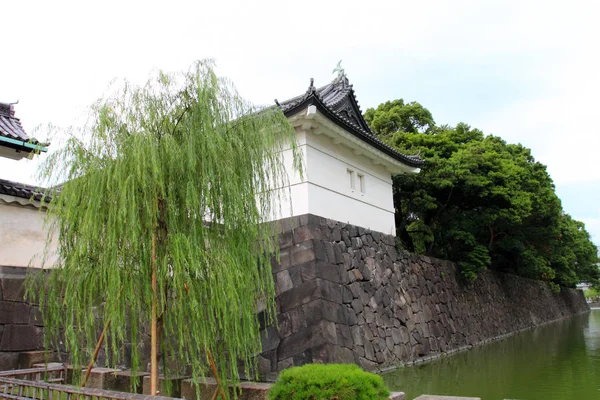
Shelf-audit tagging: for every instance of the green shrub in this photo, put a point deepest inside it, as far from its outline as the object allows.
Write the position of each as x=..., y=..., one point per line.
x=328, y=382
x=591, y=293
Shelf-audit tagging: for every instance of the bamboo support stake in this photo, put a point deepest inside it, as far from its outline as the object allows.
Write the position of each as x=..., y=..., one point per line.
x=95, y=355
x=98, y=347
x=213, y=367
x=153, y=330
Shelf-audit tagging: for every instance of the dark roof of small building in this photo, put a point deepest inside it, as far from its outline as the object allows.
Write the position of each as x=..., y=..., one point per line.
x=11, y=128
x=21, y=190
x=338, y=102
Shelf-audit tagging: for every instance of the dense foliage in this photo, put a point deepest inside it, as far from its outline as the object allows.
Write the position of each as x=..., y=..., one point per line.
x=481, y=202
x=592, y=294
x=328, y=382
x=162, y=205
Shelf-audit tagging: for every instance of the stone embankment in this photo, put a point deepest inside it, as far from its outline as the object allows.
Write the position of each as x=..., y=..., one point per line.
x=21, y=327
x=345, y=294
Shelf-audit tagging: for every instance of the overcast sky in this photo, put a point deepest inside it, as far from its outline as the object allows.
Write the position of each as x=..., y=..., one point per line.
x=528, y=71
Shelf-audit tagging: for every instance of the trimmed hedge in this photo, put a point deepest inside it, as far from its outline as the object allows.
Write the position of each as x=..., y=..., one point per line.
x=328, y=382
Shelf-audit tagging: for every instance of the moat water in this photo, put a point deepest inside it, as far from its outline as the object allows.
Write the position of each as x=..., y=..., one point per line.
x=559, y=361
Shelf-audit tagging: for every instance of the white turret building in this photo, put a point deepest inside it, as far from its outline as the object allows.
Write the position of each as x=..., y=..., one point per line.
x=347, y=170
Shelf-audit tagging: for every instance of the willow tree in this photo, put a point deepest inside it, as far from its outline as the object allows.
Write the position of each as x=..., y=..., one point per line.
x=160, y=208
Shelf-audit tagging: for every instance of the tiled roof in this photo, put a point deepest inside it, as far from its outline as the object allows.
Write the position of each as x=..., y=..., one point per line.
x=11, y=128
x=339, y=103
x=21, y=190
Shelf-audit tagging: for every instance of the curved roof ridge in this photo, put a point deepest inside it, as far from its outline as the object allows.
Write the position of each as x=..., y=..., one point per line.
x=338, y=100
x=23, y=191
x=12, y=129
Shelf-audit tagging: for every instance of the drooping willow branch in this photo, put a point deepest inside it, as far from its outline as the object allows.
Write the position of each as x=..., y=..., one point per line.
x=186, y=161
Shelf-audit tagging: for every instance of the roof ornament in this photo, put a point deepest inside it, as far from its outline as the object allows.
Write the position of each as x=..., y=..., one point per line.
x=311, y=88
x=340, y=70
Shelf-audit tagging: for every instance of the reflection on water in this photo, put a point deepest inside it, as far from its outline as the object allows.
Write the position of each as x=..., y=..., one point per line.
x=560, y=360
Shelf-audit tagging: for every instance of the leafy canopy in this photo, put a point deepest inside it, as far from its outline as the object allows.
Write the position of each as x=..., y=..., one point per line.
x=393, y=116
x=185, y=161
x=481, y=202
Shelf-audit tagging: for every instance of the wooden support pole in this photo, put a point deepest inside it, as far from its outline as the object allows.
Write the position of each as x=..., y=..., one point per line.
x=98, y=346
x=153, y=329
x=215, y=373
x=95, y=355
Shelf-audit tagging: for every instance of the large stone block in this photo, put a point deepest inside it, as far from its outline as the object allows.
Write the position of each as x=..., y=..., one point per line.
x=313, y=312
x=28, y=358
x=269, y=339
x=21, y=337
x=285, y=240
x=124, y=381
x=305, y=233
x=334, y=312
x=283, y=282
x=13, y=289
x=298, y=296
x=308, y=271
x=331, y=272
x=330, y=291
x=14, y=312
x=170, y=386
x=97, y=378
x=35, y=316
x=340, y=355
x=308, y=338
x=302, y=253
x=9, y=360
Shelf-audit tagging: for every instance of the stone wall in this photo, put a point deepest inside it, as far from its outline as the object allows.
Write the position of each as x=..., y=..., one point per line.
x=21, y=328
x=345, y=294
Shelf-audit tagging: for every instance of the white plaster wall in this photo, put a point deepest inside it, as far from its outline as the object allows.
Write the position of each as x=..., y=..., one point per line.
x=22, y=236
x=328, y=164
x=330, y=204
x=325, y=189
x=292, y=199
x=330, y=192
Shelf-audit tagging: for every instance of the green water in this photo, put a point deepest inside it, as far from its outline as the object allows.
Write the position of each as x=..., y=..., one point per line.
x=560, y=360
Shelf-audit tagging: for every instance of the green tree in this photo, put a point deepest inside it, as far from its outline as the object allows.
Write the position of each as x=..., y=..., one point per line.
x=482, y=202
x=396, y=116
x=161, y=217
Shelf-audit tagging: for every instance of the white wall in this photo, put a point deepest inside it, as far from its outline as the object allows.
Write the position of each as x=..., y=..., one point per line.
x=326, y=191
x=331, y=194
x=22, y=236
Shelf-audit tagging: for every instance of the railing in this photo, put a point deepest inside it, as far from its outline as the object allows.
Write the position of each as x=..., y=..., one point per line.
x=50, y=373
x=17, y=389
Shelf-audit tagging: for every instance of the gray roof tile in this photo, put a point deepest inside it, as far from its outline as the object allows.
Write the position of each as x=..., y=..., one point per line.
x=339, y=102
x=10, y=126
x=21, y=190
